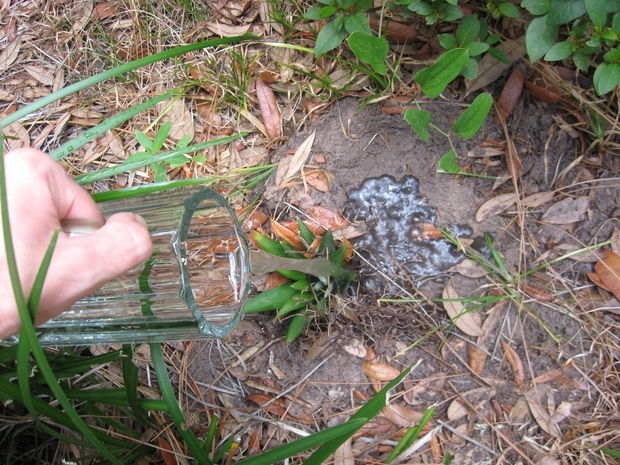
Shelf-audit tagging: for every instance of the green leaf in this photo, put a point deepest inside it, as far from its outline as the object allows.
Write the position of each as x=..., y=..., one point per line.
x=315, y=13
x=451, y=13
x=296, y=327
x=370, y=50
x=471, y=120
x=564, y=11
x=434, y=79
x=448, y=164
x=421, y=8
x=560, y=51
x=536, y=7
x=357, y=22
x=145, y=141
x=468, y=30
x=161, y=135
x=539, y=38
x=329, y=38
x=470, y=71
x=509, y=10
x=597, y=11
x=447, y=41
x=475, y=49
x=271, y=299
x=419, y=120
x=606, y=77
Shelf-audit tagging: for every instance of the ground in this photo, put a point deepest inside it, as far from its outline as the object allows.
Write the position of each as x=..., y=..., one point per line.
x=481, y=399
x=528, y=374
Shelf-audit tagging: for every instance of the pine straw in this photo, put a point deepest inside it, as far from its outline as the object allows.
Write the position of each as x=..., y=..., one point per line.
x=62, y=42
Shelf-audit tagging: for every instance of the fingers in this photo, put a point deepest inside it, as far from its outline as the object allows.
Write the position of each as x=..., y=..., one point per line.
x=80, y=265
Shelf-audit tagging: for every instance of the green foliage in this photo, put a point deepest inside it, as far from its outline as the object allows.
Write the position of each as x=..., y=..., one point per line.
x=304, y=296
x=434, y=11
x=585, y=31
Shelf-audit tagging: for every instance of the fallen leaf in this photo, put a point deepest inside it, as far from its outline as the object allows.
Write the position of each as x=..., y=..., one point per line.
x=510, y=95
x=41, y=74
x=395, y=31
x=471, y=400
x=456, y=410
x=9, y=54
x=181, y=118
x=495, y=206
x=227, y=30
x=168, y=454
x=379, y=371
x=328, y=219
x=467, y=321
x=541, y=295
x=476, y=358
x=344, y=454
x=607, y=273
x=490, y=68
x=16, y=136
x=401, y=416
x=566, y=211
x=318, y=179
x=289, y=166
x=538, y=199
x=289, y=235
x=425, y=231
x=469, y=268
x=516, y=365
x=541, y=415
x=269, y=110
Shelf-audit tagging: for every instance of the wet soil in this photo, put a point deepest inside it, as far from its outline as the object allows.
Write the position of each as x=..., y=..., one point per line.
x=485, y=408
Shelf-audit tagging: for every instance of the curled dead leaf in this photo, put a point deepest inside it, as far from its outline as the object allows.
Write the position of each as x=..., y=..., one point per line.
x=516, y=365
x=318, y=179
x=269, y=110
x=607, y=273
x=288, y=234
x=467, y=321
x=510, y=95
x=328, y=219
x=379, y=371
x=289, y=166
x=476, y=358
x=495, y=206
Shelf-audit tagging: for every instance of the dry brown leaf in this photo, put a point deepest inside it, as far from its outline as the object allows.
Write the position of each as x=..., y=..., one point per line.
x=181, y=118
x=289, y=166
x=105, y=10
x=269, y=110
x=541, y=295
x=167, y=452
x=395, y=31
x=516, y=365
x=467, y=321
x=476, y=358
x=607, y=273
x=227, y=30
x=538, y=199
x=327, y=218
x=9, y=54
x=566, y=211
x=495, y=206
x=472, y=399
x=43, y=75
x=490, y=68
x=16, y=136
x=401, y=416
x=344, y=454
x=456, y=410
x=469, y=268
x=289, y=235
x=510, y=95
x=541, y=415
x=379, y=371
x=318, y=179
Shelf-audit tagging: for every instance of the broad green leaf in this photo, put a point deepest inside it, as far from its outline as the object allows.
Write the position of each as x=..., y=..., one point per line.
x=447, y=41
x=357, y=22
x=320, y=12
x=539, y=38
x=419, y=120
x=329, y=38
x=471, y=120
x=434, y=79
x=559, y=51
x=597, y=11
x=448, y=164
x=161, y=135
x=468, y=30
x=370, y=50
x=509, y=10
x=451, y=13
x=470, y=71
x=606, y=77
x=421, y=8
x=145, y=141
x=563, y=11
x=536, y=7
x=475, y=49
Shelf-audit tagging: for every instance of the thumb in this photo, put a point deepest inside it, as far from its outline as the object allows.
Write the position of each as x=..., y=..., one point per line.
x=81, y=265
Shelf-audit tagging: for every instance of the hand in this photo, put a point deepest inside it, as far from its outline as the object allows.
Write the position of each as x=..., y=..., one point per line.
x=40, y=194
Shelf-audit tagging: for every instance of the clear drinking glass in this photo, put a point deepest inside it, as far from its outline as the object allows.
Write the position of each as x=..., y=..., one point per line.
x=192, y=287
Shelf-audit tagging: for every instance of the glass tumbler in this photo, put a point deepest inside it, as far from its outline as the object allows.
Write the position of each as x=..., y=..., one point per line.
x=192, y=287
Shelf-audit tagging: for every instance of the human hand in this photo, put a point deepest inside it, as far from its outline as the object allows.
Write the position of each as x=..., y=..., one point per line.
x=40, y=195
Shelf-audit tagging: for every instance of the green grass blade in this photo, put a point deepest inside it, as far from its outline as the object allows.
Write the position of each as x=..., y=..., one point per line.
x=411, y=435
x=338, y=433
x=174, y=410
x=109, y=123
x=368, y=411
x=130, y=165
x=117, y=71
